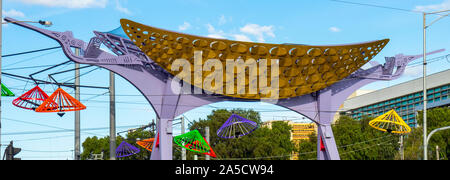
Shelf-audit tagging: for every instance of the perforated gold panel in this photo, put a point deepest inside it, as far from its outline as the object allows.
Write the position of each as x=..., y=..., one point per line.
x=303, y=69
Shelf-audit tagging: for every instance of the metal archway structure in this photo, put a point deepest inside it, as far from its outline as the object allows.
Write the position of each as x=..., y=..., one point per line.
x=152, y=77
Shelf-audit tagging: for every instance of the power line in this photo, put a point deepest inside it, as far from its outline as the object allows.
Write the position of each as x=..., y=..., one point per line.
x=39, y=151
x=28, y=52
x=35, y=57
x=377, y=6
x=61, y=131
x=27, y=67
x=42, y=125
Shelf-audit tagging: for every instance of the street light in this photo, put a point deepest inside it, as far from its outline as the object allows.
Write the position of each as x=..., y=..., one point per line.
x=425, y=26
x=44, y=23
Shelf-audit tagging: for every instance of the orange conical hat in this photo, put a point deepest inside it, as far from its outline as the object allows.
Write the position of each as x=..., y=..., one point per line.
x=146, y=143
x=60, y=101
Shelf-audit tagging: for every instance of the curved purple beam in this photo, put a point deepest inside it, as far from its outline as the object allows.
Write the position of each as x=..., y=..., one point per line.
x=157, y=86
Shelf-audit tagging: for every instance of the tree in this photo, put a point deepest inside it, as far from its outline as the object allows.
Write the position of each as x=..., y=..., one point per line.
x=95, y=145
x=263, y=143
x=436, y=118
x=356, y=140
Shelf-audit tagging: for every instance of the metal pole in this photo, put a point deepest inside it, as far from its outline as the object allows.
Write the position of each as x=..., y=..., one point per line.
x=434, y=131
x=437, y=152
x=1, y=13
x=77, y=113
x=425, y=99
x=183, y=151
x=402, y=152
x=207, y=139
x=112, y=117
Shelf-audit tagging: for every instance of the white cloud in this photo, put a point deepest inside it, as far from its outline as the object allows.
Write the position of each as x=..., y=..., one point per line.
x=241, y=37
x=75, y=4
x=335, y=29
x=122, y=9
x=413, y=71
x=245, y=33
x=13, y=13
x=184, y=27
x=445, y=5
x=223, y=20
x=258, y=31
x=213, y=33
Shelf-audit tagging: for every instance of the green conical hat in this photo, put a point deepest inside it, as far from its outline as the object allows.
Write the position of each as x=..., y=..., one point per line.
x=192, y=141
x=6, y=91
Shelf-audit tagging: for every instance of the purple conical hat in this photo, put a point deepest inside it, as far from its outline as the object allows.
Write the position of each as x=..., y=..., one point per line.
x=236, y=126
x=125, y=149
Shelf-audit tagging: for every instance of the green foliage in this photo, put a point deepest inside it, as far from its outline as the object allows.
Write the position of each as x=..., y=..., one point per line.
x=356, y=140
x=272, y=144
x=94, y=145
x=436, y=118
x=307, y=149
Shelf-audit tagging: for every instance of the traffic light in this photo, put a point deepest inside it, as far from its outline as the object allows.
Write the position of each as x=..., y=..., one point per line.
x=11, y=151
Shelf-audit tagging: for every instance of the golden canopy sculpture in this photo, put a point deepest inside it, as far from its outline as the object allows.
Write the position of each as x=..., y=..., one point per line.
x=303, y=69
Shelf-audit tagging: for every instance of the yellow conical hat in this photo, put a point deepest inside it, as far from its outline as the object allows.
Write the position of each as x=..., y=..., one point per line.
x=390, y=122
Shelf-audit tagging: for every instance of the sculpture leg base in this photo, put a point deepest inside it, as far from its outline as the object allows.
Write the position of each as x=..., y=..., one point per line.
x=326, y=145
x=164, y=150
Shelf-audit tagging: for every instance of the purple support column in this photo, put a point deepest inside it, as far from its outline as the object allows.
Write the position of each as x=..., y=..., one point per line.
x=324, y=131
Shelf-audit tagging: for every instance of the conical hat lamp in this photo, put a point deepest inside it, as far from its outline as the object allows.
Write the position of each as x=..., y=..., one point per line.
x=6, y=91
x=146, y=143
x=193, y=141
x=125, y=149
x=390, y=122
x=60, y=102
x=31, y=99
x=236, y=126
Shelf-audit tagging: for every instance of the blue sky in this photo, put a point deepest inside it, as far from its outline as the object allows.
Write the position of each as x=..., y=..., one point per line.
x=319, y=22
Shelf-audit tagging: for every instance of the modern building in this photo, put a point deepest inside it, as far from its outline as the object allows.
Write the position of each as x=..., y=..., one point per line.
x=406, y=98
x=300, y=131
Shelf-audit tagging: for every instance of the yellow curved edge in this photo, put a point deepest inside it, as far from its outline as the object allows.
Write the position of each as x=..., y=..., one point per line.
x=303, y=69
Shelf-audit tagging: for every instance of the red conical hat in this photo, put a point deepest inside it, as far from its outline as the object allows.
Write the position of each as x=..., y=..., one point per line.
x=31, y=99
x=60, y=101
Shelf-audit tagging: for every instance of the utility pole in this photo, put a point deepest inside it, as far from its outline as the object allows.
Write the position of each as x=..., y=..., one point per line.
x=77, y=113
x=425, y=86
x=425, y=99
x=1, y=28
x=183, y=151
x=112, y=117
x=402, y=153
x=437, y=153
x=207, y=139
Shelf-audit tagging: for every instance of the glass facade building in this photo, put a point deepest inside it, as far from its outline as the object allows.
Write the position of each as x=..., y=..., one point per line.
x=406, y=106
x=405, y=98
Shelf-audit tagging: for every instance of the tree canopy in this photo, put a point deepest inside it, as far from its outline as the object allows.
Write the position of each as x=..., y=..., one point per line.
x=95, y=145
x=355, y=140
x=263, y=143
x=436, y=118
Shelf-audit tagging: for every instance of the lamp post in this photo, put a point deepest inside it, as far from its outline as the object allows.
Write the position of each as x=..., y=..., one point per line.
x=425, y=26
x=44, y=23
